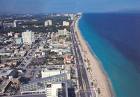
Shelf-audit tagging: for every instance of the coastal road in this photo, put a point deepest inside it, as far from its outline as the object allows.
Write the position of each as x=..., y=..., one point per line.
x=84, y=84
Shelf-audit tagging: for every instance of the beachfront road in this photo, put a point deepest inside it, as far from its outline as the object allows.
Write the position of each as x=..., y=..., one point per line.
x=84, y=84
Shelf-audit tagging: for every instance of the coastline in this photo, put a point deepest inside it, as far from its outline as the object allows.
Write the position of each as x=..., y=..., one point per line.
x=97, y=72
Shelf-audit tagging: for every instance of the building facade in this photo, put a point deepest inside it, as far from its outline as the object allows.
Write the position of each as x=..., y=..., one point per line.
x=48, y=23
x=28, y=37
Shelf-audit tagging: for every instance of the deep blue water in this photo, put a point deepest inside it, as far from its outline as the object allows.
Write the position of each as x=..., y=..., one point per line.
x=115, y=39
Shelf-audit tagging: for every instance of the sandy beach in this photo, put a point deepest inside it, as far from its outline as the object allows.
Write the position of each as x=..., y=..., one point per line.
x=96, y=72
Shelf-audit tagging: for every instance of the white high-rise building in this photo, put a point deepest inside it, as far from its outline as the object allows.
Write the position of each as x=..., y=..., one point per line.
x=28, y=37
x=48, y=23
x=15, y=23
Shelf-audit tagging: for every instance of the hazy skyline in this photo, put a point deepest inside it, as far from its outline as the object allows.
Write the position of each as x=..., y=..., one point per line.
x=44, y=6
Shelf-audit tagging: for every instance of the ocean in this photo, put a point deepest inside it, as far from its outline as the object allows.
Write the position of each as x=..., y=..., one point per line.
x=115, y=39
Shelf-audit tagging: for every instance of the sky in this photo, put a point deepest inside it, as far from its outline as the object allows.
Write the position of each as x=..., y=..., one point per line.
x=45, y=6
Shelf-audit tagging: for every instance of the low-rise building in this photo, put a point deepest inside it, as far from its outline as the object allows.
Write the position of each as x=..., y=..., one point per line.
x=48, y=73
x=68, y=59
x=66, y=23
x=63, y=32
x=19, y=40
x=39, y=54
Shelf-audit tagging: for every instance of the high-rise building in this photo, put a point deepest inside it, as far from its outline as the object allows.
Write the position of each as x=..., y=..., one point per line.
x=28, y=37
x=48, y=23
x=15, y=24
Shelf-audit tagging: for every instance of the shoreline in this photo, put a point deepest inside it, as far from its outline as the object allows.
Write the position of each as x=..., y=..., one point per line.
x=98, y=73
x=103, y=71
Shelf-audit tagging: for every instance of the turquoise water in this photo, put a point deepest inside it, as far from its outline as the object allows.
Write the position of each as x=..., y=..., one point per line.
x=121, y=71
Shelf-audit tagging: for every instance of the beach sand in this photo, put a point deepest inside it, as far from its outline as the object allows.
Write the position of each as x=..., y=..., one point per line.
x=96, y=72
